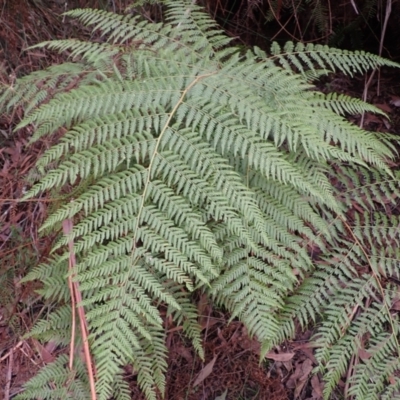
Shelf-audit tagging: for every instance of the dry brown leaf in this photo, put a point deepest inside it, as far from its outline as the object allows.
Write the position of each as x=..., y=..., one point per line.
x=309, y=354
x=206, y=371
x=384, y=107
x=280, y=356
x=364, y=354
x=306, y=368
x=46, y=352
x=318, y=388
x=396, y=305
x=372, y=118
x=291, y=382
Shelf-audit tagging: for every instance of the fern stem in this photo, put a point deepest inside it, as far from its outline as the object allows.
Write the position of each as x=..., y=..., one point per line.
x=164, y=129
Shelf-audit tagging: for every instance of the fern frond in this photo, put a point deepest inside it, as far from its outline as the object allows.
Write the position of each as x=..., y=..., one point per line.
x=195, y=165
x=55, y=381
x=312, y=56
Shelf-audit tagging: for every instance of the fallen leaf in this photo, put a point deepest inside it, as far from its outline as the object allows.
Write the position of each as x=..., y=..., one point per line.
x=384, y=107
x=371, y=118
x=279, y=356
x=318, y=388
x=46, y=352
x=309, y=354
x=364, y=354
x=291, y=382
x=205, y=372
x=306, y=369
x=396, y=305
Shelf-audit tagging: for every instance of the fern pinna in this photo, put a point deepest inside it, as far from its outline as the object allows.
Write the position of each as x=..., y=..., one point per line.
x=192, y=164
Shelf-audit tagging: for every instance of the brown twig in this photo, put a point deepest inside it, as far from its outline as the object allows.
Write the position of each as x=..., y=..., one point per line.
x=368, y=82
x=349, y=374
x=76, y=302
x=9, y=375
x=8, y=354
x=67, y=228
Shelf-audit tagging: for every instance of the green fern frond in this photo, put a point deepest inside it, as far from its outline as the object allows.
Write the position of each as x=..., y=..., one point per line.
x=353, y=309
x=55, y=381
x=342, y=104
x=195, y=166
x=312, y=56
x=38, y=87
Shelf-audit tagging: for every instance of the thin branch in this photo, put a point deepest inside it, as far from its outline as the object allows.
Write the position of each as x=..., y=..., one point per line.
x=76, y=299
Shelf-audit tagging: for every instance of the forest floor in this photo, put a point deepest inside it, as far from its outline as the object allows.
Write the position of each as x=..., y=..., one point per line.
x=231, y=369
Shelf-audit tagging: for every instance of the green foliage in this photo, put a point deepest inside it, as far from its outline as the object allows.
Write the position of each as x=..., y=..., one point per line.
x=195, y=165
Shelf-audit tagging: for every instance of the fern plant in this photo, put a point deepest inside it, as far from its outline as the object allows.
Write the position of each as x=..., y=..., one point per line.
x=186, y=164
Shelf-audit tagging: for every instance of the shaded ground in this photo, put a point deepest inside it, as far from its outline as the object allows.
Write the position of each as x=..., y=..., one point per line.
x=231, y=369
